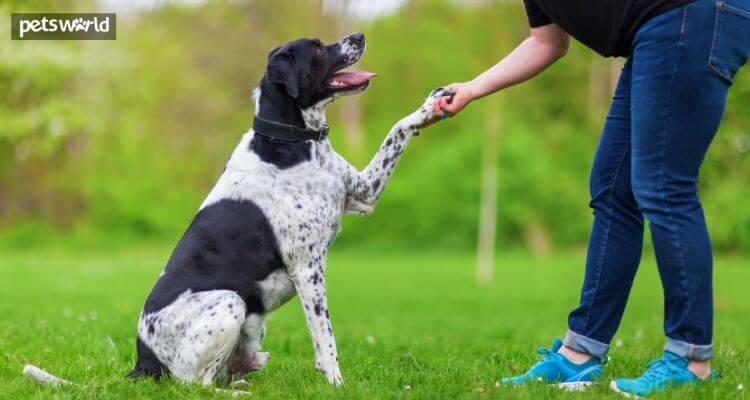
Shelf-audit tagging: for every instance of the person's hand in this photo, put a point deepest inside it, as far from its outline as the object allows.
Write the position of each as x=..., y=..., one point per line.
x=448, y=106
x=463, y=94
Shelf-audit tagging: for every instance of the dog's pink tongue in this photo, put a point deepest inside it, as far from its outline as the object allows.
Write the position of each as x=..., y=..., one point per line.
x=352, y=78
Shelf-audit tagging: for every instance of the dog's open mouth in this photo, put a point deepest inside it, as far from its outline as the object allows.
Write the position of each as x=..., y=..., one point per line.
x=348, y=80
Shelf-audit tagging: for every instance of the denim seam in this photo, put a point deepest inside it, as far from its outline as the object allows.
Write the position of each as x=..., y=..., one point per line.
x=734, y=10
x=605, y=240
x=712, y=59
x=673, y=226
x=684, y=17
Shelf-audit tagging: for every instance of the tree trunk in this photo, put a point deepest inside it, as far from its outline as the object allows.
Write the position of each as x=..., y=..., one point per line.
x=351, y=119
x=537, y=239
x=350, y=110
x=488, y=194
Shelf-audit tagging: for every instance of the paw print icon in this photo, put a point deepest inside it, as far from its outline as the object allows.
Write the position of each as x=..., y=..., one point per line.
x=80, y=25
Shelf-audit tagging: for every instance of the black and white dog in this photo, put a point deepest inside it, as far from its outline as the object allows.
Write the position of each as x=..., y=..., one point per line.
x=263, y=233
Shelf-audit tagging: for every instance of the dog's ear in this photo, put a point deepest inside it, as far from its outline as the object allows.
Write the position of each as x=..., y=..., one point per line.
x=272, y=52
x=281, y=70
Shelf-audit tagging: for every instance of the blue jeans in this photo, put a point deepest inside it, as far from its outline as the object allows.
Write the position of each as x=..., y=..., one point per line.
x=664, y=115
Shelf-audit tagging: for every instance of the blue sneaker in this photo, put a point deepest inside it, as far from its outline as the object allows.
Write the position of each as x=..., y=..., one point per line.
x=668, y=371
x=555, y=369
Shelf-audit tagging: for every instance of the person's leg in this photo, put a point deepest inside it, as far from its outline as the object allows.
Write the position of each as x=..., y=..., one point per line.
x=678, y=101
x=683, y=63
x=616, y=241
x=614, y=252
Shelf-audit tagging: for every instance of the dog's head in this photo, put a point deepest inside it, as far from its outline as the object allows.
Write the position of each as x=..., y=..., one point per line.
x=310, y=71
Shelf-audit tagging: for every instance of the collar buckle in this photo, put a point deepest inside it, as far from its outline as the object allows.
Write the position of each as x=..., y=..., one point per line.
x=323, y=132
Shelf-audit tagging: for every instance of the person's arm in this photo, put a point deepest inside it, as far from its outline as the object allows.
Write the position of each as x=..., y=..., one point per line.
x=545, y=45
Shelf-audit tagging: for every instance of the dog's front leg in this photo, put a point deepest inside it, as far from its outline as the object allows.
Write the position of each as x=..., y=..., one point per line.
x=365, y=188
x=310, y=285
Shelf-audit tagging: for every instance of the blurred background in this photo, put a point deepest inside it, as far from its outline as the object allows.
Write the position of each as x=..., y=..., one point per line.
x=117, y=142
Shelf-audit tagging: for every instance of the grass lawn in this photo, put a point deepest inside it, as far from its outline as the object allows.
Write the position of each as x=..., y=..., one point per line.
x=410, y=325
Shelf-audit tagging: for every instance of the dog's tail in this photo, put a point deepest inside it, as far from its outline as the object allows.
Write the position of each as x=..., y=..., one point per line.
x=43, y=377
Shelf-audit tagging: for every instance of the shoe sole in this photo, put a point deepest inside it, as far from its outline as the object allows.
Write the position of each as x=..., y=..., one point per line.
x=613, y=386
x=566, y=386
x=574, y=386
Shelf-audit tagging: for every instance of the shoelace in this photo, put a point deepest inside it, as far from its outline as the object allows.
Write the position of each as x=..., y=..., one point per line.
x=547, y=353
x=658, y=370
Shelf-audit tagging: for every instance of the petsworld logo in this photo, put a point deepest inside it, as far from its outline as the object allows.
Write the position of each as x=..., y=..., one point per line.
x=63, y=26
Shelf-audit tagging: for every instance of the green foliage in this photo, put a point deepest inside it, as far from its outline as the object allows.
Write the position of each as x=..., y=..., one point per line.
x=124, y=138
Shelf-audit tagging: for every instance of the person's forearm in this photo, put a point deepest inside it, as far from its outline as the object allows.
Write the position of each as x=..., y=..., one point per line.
x=530, y=58
x=545, y=45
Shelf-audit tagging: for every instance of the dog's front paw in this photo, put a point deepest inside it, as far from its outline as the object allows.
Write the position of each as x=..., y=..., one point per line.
x=332, y=373
x=433, y=98
x=426, y=112
x=438, y=93
x=335, y=378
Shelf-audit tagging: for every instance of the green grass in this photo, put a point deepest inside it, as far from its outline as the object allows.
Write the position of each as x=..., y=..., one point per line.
x=410, y=325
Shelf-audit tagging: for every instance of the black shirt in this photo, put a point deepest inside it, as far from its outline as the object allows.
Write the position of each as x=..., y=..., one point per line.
x=606, y=26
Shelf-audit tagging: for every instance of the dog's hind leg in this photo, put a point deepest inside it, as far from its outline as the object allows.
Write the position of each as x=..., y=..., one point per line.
x=210, y=337
x=246, y=357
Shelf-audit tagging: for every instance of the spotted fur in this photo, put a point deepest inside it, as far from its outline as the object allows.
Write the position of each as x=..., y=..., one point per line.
x=261, y=236
x=194, y=336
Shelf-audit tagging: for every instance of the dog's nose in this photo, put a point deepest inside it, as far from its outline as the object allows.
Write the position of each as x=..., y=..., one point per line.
x=357, y=37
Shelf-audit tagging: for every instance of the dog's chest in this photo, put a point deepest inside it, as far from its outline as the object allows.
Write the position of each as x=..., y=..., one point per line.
x=309, y=210
x=303, y=204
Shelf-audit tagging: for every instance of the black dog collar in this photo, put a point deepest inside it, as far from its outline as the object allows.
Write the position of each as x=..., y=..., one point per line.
x=287, y=132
